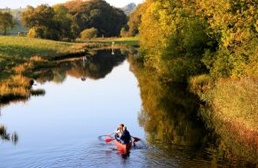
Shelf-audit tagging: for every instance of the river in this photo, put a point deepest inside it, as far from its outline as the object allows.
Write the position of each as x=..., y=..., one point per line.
x=83, y=102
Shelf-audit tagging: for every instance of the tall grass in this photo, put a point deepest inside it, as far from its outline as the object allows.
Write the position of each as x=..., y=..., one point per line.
x=236, y=100
x=231, y=107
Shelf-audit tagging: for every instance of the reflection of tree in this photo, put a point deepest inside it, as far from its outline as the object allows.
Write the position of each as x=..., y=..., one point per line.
x=94, y=66
x=102, y=63
x=169, y=113
x=169, y=117
x=7, y=136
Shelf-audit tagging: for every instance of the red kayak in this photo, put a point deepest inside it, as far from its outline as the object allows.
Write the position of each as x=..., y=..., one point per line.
x=123, y=147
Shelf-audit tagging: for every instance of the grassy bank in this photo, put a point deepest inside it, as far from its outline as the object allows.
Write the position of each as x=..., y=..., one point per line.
x=231, y=108
x=131, y=41
x=16, y=50
x=14, y=46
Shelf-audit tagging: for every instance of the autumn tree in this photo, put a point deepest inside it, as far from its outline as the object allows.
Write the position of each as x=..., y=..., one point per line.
x=135, y=20
x=7, y=22
x=233, y=24
x=173, y=39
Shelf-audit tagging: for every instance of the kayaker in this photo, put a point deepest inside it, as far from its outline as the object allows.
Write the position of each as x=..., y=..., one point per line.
x=125, y=138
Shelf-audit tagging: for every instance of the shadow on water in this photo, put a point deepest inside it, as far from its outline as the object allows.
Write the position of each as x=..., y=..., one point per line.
x=170, y=119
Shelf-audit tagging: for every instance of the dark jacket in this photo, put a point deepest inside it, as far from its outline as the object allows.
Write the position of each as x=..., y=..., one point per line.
x=125, y=137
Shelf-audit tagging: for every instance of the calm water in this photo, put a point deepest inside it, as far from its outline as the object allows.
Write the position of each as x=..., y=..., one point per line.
x=62, y=128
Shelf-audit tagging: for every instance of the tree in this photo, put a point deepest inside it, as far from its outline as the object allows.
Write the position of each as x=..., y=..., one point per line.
x=233, y=24
x=54, y=23
x=6, y=22
x=173, y=39
x=65, y=23
x=42, y=15
x=40, y=19
x=135, y=20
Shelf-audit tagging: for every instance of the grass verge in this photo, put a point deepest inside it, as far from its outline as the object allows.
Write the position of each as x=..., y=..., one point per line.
x=231, y=109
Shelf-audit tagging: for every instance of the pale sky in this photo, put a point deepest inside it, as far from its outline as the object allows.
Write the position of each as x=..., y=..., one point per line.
x=14, y=4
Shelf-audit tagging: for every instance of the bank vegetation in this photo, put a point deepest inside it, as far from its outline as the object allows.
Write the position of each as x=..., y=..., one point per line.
x=213, y=45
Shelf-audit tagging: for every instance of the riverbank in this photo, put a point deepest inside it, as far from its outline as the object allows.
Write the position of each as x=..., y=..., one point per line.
x=16, y=50
x=230, y=108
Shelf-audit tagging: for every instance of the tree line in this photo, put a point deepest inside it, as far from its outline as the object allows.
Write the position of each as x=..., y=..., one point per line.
x=190, y=37
x=67, y=21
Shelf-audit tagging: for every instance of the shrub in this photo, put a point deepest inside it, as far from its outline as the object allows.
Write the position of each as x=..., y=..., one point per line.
x=89, y=33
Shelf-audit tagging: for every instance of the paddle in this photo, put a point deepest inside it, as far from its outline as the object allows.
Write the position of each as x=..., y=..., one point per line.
x=106, y=138
x=136, y=139
x=109, y=140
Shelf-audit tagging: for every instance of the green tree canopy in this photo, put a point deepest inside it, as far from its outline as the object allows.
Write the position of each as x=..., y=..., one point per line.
x=49, y=22
x=99, y=14
x=6, y=22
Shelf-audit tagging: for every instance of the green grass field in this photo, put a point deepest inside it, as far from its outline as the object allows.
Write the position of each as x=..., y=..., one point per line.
x=14, y=46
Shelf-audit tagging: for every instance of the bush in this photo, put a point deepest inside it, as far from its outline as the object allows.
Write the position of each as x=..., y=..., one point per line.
x=89, y=33
x=32, y=33
x=201, y=83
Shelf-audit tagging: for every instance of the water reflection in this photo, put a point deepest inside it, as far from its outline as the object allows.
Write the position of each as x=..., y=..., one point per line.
x=170, y=119
x=20, y=87
x=5, y=136
x=94, y=66
x=90, y=66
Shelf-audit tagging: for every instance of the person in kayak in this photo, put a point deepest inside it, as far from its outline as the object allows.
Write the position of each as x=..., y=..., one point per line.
x=125, y=137
x=122, y=134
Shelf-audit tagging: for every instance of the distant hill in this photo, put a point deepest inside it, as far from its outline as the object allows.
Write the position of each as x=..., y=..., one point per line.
x=129, y=8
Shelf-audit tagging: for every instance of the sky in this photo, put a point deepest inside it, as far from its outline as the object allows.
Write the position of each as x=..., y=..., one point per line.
x=15, y=4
